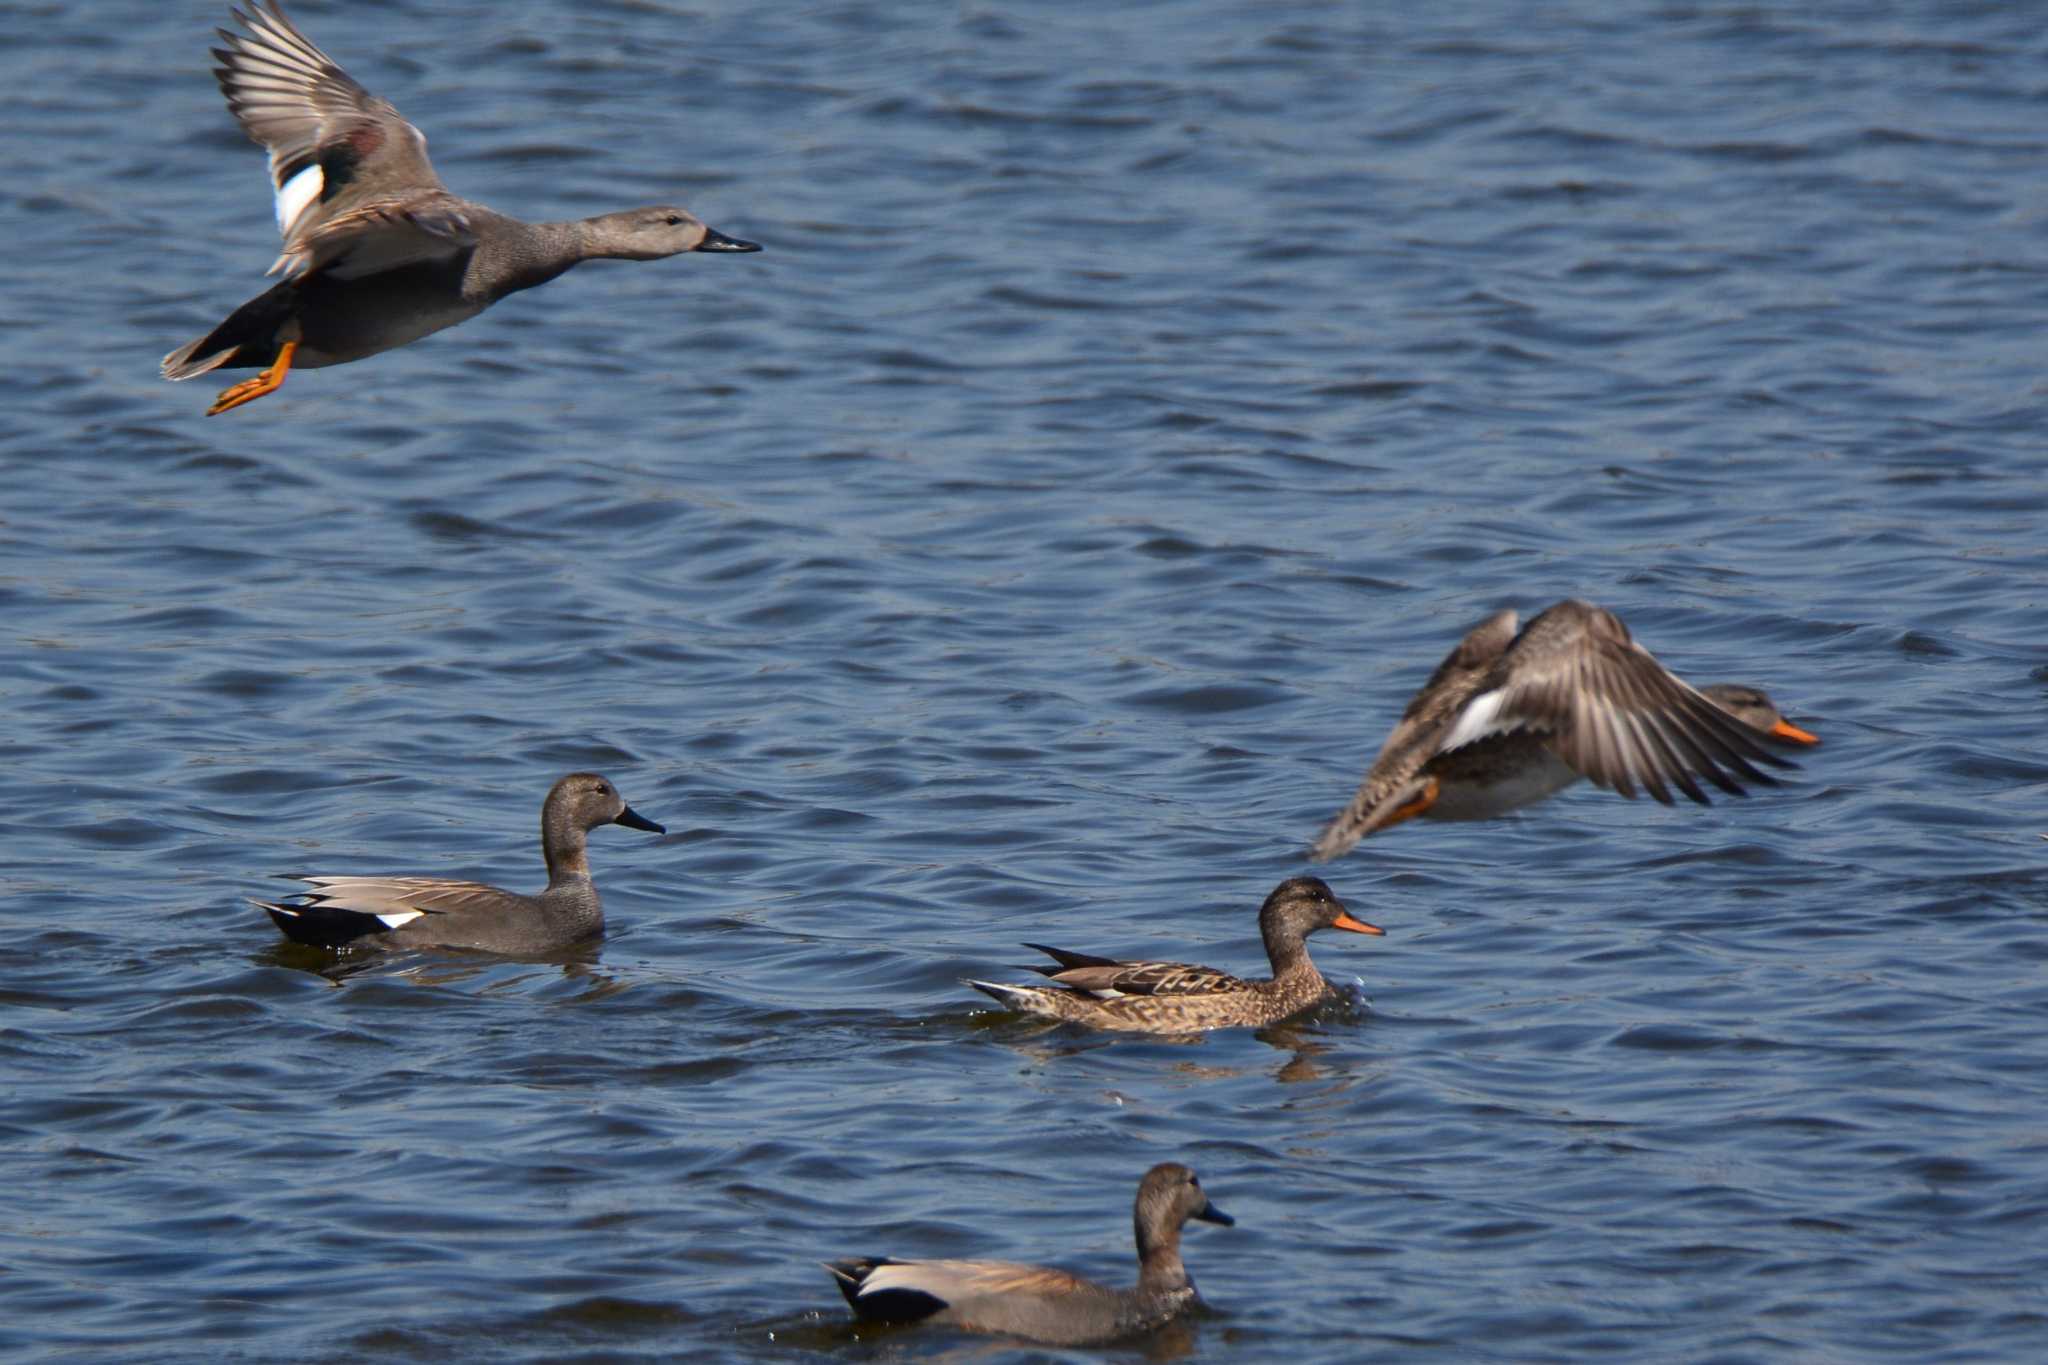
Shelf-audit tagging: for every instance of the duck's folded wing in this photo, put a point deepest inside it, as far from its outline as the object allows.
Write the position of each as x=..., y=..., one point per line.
x=334, y=147
x=954, y=1283
x=339, y=911
x=1068, y=958
x=400, y=898
x=1146, y=978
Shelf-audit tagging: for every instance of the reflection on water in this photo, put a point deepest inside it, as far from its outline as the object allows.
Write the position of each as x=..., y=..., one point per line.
x=577, y=968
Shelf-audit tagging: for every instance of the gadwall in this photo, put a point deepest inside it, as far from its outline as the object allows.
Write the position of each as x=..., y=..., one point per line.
x=1039, y=1303
x=1174, y=997
x=1753, y=707
x=377, y=252
x=1510, y=718
x=441, y=912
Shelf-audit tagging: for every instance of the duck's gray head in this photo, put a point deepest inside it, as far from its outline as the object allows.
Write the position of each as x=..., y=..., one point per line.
x=583, y=801
x=1168, y=1196
x=1754, y=708
x=651, y=233
x=1301, y=905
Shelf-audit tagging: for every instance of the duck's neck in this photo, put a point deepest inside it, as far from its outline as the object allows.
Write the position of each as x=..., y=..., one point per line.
x=584, y=239
x=529, y=254
x=573, y=239
x=567, y=855
x=1159, y=1265
x=1288, y=952
x=1296, y=983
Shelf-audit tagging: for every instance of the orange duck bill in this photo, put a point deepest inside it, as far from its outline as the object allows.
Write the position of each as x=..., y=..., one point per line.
x=1359, y=926
x=1786, y=730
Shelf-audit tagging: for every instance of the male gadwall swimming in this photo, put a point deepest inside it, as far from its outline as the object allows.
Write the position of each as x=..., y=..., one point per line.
x=1173, y=997
x=377, y=252
x=440, y=912
x=1038, y=1302
x=1508, y=719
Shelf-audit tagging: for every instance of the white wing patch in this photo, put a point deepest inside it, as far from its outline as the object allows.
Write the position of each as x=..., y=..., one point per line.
x=295, y=195
x=1479, y=718
x=398, y=917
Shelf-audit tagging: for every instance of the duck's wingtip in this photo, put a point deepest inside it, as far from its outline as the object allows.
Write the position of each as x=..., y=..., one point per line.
x=1332, y=843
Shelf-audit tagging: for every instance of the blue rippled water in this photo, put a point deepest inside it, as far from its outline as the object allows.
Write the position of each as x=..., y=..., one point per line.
x=1034, y=543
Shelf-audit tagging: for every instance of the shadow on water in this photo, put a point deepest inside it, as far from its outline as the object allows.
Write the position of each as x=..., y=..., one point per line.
x=597, y=1324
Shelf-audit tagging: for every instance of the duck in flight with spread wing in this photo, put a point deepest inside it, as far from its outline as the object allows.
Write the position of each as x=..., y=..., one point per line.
x=1513, y=716
x=377, y=252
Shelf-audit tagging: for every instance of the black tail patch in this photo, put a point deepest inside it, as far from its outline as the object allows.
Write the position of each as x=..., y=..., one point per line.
x=323, y=926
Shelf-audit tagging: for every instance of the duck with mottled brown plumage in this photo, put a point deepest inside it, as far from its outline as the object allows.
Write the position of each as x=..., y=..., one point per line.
x=1176, y=997
x=1512, y=717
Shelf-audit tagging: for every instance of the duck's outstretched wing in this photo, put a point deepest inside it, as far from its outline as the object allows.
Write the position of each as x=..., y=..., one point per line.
x=355, y=191
x=1395, y=788
x=1603, y=704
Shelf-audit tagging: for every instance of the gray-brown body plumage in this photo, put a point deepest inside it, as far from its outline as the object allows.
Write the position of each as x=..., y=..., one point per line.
x=377, y=251
x=442, y=912
x=1040, y=1303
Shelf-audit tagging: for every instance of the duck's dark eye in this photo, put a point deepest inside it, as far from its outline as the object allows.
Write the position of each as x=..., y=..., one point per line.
x=673, y=221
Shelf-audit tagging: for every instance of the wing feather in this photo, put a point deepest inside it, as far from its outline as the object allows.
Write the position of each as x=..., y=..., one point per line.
x=1107, y=978
x=955, y=1282
x=410, y=896
x=335, y=148
x=1393, y=782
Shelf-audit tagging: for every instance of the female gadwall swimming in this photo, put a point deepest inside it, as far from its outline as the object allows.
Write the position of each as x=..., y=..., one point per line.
x=439, y=912
x=1508, y=719
x=1173, y=997
x=1037, y=1302
x=377, y=252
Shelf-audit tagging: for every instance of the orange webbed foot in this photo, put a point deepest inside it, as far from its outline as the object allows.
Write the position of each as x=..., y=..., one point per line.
x=1422, y=802
x=266, y=381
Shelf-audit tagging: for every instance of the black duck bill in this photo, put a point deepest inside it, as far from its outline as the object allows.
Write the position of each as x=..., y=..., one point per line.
x=633, y=819
x=714, y=240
